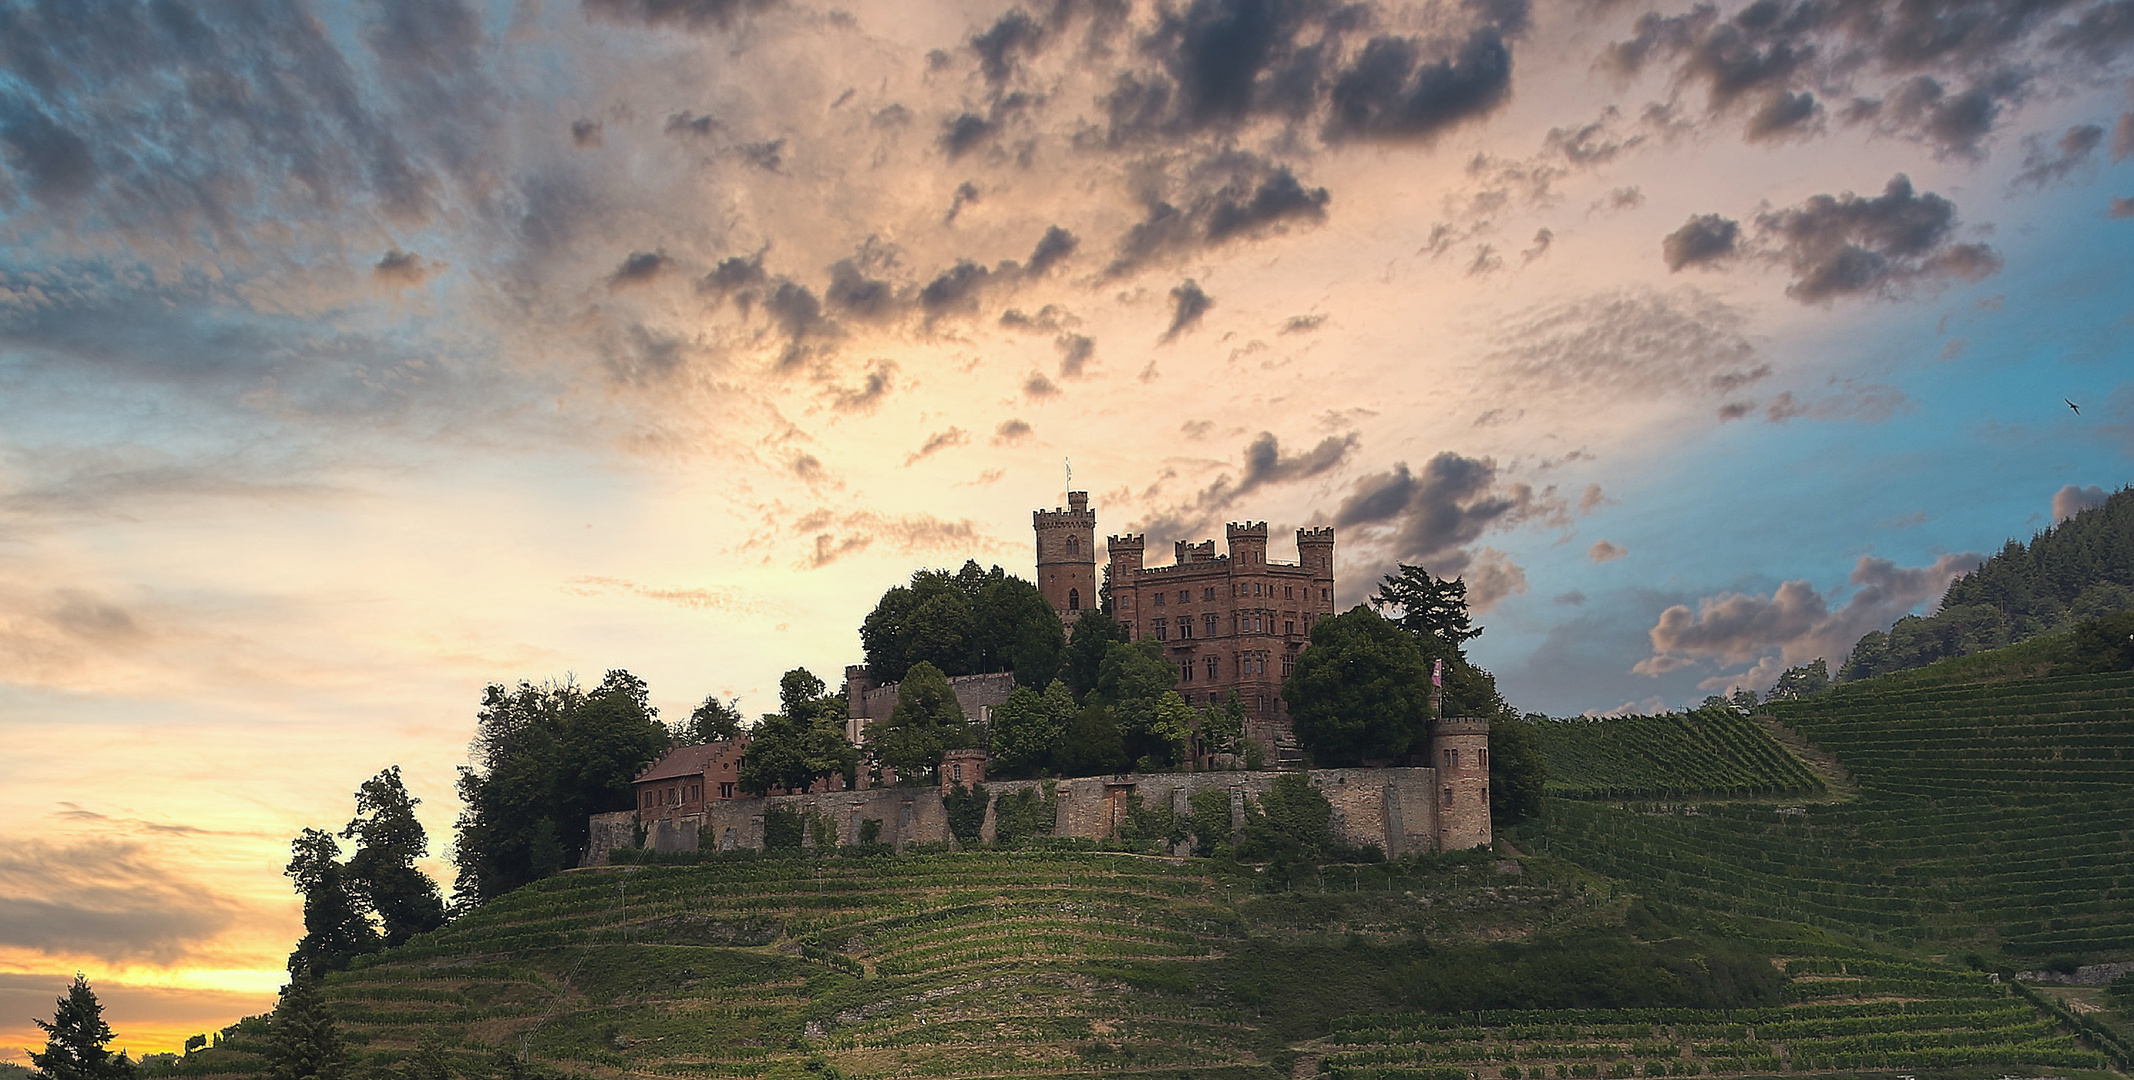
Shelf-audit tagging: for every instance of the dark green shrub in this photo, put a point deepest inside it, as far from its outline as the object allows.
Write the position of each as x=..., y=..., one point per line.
x=782, y=830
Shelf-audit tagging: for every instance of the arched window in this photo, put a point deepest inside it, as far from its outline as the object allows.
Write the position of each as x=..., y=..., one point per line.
x=1074, y=544
x=1074, y=599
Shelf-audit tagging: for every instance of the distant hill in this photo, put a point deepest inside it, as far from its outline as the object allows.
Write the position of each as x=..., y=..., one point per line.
x=2082, y=568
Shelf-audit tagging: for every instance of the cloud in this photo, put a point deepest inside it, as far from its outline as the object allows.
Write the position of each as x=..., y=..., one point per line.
x=111, y=898
x=398, y=269
x=1188, y=304
x=587, y=134
x=1630, y=343
x=1606, y=551
x=1038, y=386
x=1845, y=245
x=832, y=536
x=879, y=380
x=1391, y=91
x=2043, y=166
x=2123, y=137
x=1703, y=240
x=699, y=15
x=2121, y=207
x=1490, y=578
x=639, y=268
x=1075, y=351
x=1428, y=518
x=2072, y=500
x=1052, y=249
x=1302, y=324
x=1869, y=403
x=1593, y=499
x=937, y=442
x=1011, y=432
x=1795, y=624
x=1265, y=463
x=966, y=194
x=1224, y=198
x=715, y=598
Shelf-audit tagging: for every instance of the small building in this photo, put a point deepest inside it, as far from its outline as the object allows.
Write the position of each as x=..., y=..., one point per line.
x=868, y=701
x=686, y=778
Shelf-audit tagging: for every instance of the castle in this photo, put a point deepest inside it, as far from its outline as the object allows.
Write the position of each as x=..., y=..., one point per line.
x=1232, y=623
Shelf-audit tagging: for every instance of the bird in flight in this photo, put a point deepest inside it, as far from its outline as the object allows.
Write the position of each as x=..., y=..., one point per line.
x=2072, y=405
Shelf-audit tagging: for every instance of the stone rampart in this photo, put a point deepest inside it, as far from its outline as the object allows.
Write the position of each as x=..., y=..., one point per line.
x=1394, y=809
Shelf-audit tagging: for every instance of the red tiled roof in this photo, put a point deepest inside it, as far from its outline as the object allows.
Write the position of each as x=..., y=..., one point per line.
x=692, y=760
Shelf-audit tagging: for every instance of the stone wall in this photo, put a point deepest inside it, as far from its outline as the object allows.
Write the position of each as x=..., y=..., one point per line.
x=1395, y=809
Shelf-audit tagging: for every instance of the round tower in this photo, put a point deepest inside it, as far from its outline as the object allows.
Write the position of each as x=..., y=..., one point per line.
x=1067, y=556
x=1459, y=751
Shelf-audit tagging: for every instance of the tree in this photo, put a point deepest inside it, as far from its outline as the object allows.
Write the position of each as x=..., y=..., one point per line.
x=791, y=749
x=1221, y=726
x=713, y=721
x=1428, y=606
x=1518, y=770
x=1092, y=745
x=1025, y=732
x=77, y=1041
x=1294, y=823
x=1133, y=682
x=303, y=1041
x=1799, y=682
x=973, y=621
x=1094, y=635
x=1361, y=690
x=927, y=722
x=2101, y=645
x=335, y=931
x=546, y=758
x=381, y=874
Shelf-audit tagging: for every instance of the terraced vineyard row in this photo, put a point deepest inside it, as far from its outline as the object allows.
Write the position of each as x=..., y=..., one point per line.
x=1894, y=1016
x=1712, y=751
x=2000, y=817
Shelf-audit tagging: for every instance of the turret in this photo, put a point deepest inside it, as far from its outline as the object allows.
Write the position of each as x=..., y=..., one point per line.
x=1067, y=556
x=1459, y=751
x=1248, y=544
x=1315, y=552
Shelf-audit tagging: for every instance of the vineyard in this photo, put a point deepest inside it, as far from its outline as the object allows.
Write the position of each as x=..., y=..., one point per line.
x=966, y=964
x=1712, y=751
x=1852, y=1010
x=1995, y=817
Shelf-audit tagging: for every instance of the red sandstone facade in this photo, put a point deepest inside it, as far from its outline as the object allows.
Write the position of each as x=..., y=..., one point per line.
x=1230, y=622
x=688, y=777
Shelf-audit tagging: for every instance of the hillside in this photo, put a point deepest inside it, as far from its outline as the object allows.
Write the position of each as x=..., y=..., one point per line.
x=1711, y=751
x=2081, y=568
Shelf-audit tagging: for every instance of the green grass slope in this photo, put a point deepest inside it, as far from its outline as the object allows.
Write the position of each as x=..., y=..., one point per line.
x=1995, y=817
x=1712, y=751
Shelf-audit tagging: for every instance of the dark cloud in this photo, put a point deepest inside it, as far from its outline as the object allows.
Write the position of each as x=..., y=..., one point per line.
x=1302, y=324
x=937, y=442
x=1795, y=624
x=1015, y=35
x=1591, y=144
x=1048, y=319
x=1038, y=386
x=879, y=380
x=689, y=123
x=1735, y=410
x=964, y=132
x=1264, y=464
x=1391, y=91
x=1430, y=518
x=638, y=268
x=956, y=289
x=1075, y=351
x=1188, y=304
x=402, y=269
x=2043, y=166
x=1606, y=551
x=1226, y=197
x=1846, y=245
x=855, y=293
x=1052, y=249
x=734, y=275
x=586, y=134
x=2121, y=207
x=54, y=162
x=1011, y=432
x=684, y=14
x=1703, y=240
x=768, y=155
x=1783, y=115
x=2072, y=500
x=111, y=899
x=1631, y=343
x=966, y=194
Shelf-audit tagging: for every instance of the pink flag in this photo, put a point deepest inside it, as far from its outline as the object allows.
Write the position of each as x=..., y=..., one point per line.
x=1437, y=673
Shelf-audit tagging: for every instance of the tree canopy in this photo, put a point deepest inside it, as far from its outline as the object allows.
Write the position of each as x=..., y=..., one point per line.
x=927, y=722
x=801, y=743
x=1360, y=691
x=713, y=721
x=546, y=758
x=970, y=622
x=303, y=1041
x=78, y=1040
x=335, y=930
x=381, y=873
x=1427, y=606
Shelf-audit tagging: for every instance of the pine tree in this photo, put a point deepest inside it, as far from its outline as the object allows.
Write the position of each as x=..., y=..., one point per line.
x=76, y=1041
x=304, y=1042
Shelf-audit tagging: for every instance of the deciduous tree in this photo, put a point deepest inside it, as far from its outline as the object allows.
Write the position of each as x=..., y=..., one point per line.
x=927, y=722
x=1361, y=690
x=382, y=874
x=803, y=742
x=335, y=930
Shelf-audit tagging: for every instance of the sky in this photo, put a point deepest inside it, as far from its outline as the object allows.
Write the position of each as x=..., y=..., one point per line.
x=356, y=356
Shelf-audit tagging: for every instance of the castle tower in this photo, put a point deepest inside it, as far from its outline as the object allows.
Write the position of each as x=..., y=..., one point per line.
x=1248, y=546
x=1067, y=556
x=1459, y=750
x=1315, y=552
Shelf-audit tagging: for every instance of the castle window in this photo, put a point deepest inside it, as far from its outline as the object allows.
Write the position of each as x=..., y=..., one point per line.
x=1074, y=599
x=1185, y=626
x=726, y=791
x=1289, y=664
x=1208, y=621
x=1074, y=544
x=1212, y=668
x=1448, y=796
x=959, y=772
x=1185, y=596
x=1208, y=593
x=1289, y=592
x=1162, y=628
x=1185, y=670
x=1452, y=759
x=1160, y=598
x=1288, y=626
x=1326, y=594
x=1481, y=759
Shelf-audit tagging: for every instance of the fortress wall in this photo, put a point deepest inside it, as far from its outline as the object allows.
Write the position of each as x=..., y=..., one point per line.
x=1395, y=809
